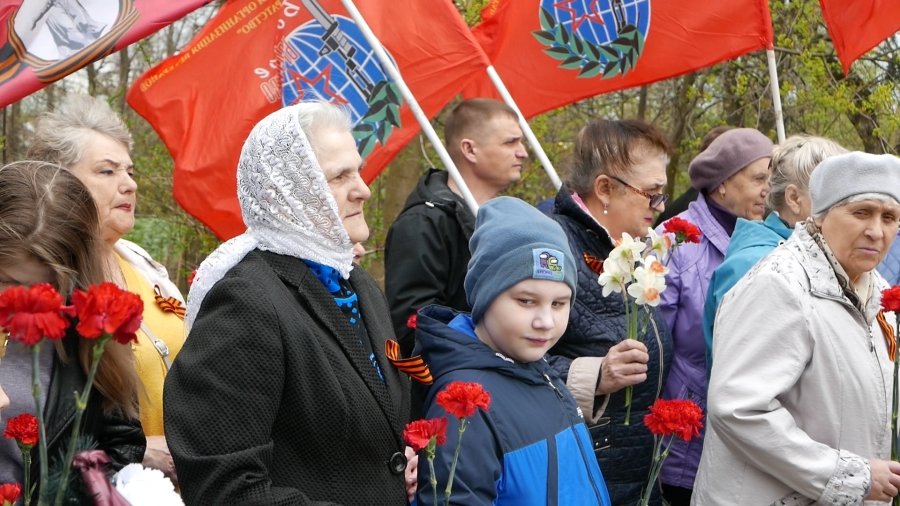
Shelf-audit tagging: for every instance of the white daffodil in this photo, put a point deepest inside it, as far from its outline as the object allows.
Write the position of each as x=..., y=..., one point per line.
x=649, y=283
x=659, y=244
x=628, y=250
x=614, y=277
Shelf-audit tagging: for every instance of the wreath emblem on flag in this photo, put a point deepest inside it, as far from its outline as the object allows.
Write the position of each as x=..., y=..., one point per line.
x=329, y=59
x=595, y=37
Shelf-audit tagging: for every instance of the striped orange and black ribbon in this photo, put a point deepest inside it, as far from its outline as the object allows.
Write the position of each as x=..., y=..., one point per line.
x=889, y=337
x=168, y=304
x=594, y=263
x=415, y=367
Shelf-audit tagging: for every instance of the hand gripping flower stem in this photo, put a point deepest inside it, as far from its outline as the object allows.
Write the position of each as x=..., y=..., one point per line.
x=80, y=406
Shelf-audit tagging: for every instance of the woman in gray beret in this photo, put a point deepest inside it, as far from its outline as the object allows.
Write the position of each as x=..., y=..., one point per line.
x=799, y=402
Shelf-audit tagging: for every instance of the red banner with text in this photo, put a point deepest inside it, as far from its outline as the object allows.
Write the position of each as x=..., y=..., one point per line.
x=258, y=55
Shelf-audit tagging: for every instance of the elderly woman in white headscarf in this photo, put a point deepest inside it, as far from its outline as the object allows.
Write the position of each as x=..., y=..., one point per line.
x=800, y=396
x=282, y=393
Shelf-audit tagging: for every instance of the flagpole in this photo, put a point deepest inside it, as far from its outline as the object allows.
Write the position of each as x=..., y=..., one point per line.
x=776, y=94
x=394, y=74
x=526, y=129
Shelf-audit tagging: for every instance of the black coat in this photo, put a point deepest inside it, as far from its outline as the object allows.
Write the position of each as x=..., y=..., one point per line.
x=120, y=437
x=427, y=253
x=597, y=323
x=273, y=399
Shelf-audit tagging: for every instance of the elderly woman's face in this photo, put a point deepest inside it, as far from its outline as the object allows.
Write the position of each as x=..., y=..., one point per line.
x=860, y=233
x=106, y=170
x=629, y=210
x=744, y=194
x=341, y=163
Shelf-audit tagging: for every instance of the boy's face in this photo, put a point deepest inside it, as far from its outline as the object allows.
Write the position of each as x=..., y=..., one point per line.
x=527, y=319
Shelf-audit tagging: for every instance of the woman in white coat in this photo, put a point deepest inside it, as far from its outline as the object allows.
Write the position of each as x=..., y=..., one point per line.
x=800, y=394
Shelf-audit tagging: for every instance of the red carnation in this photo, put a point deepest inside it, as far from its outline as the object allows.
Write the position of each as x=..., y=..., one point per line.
x=32, y=313
x=461, y=399
x=191, y=276
x=9, y=493
x=890, y=299
x=683, y=230
x=107, y=309
x=677, y=417
x=411, y=321
x=418, y=434
x=24, y=429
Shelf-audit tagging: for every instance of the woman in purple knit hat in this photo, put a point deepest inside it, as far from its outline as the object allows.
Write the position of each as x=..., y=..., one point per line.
x=732, y=176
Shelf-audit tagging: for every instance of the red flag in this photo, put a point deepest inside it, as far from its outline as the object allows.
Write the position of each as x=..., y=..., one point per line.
x=42, y=41
x=258, y=55
x=550, y=53
x=856, y=26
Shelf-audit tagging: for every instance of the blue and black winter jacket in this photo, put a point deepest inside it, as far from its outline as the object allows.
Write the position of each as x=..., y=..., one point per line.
x=530, y=448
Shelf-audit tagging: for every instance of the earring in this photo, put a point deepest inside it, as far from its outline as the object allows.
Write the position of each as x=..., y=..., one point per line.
x=605, y=209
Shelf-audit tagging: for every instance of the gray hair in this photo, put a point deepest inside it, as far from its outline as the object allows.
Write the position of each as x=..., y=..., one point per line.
x=878, y=197
x=62, y=135
x=793, y=162
x=316, y=114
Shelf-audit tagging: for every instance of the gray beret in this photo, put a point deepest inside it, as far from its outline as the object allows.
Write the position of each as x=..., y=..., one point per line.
x=513, y=242
x=843, y=176
x=727, y=155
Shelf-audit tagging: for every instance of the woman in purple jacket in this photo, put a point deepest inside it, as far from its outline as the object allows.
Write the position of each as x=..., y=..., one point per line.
x=732, y=175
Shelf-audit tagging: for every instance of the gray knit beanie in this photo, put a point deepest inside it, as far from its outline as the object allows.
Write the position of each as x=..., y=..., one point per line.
x=726, y=156
x=513, y=242
x=839, y=177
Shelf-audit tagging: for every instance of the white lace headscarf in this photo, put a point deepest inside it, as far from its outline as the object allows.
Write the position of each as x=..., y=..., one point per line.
x=286, y=204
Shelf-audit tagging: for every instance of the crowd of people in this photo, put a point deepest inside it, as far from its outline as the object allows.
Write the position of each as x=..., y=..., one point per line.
x=285, y=378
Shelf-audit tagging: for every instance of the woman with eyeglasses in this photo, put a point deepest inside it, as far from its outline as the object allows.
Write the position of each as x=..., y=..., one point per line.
x=732, y=175
x=615, y=186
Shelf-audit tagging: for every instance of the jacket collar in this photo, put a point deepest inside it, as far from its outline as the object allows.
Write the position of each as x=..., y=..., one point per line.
x=565, y=205
x=698, y=212
x=823, y=281
x=312, y=294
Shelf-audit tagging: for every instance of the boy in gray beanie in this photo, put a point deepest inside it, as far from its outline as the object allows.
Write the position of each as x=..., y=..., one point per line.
x=520, y=284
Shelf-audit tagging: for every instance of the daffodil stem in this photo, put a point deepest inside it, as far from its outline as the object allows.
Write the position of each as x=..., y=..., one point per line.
x=42, y=431
x=462, y=428
x=80, y=405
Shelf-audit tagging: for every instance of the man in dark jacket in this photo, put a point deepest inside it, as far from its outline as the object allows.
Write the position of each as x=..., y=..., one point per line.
x=427, y=248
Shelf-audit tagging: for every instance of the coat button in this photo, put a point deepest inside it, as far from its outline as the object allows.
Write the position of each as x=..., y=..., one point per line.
x=397, y=464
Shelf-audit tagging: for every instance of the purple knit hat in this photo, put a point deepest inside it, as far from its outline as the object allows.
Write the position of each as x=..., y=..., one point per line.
x=727, y=155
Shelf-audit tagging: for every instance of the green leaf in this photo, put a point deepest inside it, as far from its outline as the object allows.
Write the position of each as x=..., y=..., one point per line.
x=388, y=129
x=544, y=37
x=558, y=53
x=610, y=69
x=572, y=62
x=593, y=52
x=392, y=116
x=610, y=53
x=392, y=93
x=590, y=70
x=564, y=36
x=627, y=29
x=640, y=43
x=377, y=111
x=362, y=130
x=547, y=21
x=577, y=44
x=378, y=92
x=366, y=145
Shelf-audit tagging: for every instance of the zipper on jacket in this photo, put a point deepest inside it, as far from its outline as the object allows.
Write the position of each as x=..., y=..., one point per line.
x=559, y=394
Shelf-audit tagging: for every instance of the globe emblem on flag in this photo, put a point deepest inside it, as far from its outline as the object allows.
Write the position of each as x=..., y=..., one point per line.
x=595, y=37
x=335, y=63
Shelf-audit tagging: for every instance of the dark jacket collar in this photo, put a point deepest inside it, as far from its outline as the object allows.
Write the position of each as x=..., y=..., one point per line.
x=320, y=303
x=432, y=190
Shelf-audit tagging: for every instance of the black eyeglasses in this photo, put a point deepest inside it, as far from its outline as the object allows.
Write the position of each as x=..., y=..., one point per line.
x=656, y=199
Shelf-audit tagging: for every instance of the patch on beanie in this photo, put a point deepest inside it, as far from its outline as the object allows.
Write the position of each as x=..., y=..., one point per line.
x=548, y=264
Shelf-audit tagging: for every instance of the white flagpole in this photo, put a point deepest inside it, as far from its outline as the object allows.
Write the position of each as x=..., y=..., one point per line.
x=526, y=129
x=776, y=94
x=394, y=74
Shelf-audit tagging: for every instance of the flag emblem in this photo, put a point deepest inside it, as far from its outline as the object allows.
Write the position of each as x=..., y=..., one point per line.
x=328, y=58
x=595, y=37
